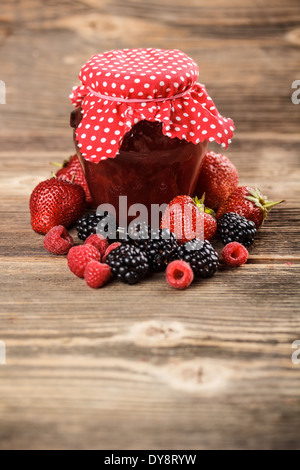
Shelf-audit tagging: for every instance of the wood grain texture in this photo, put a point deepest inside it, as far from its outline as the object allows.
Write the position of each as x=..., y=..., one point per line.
x=144, y=367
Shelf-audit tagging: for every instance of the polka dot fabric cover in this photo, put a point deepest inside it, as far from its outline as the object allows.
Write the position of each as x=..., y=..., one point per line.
x=143, y=74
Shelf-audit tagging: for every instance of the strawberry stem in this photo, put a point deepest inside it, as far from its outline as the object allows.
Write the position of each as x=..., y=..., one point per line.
x=58, y=165
x=271, y=204
x=200, y=205
x=261, y=201
x=62, y=165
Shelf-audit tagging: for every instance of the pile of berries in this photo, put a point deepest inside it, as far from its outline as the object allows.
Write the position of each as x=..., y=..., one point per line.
x=181, y=246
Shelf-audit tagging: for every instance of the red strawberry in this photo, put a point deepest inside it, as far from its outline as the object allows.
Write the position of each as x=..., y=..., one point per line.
x=210, y=223
x=218, y=178
x=188, y=220
x=71, y=170
x=210, y=226
x=56, y=202
x=181, y=200
x=248, y=202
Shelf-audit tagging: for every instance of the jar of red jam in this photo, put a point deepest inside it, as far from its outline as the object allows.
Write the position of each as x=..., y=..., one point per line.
x=142, y=124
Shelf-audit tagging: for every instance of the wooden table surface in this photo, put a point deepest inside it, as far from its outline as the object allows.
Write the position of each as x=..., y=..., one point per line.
x=146, y=367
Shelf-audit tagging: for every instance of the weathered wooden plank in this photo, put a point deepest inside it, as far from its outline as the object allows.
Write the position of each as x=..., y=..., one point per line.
x=255, y=289
x=178, y=398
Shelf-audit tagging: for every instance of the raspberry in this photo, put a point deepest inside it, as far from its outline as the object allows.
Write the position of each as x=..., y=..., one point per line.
x=96, y=274
x=111, y=247
x=99, y=242
x=58, y=241
x=79, y=256
x=179, y=274
x=235, y=254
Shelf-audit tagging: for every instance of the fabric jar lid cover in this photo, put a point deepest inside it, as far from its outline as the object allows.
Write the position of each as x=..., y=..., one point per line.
x=122, y=87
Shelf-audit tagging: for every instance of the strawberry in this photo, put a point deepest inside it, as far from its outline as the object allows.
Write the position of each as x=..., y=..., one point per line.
x=218, y=178
x=181, y=200
x=71, y=170
x=248, y=202
x=209, y=216
x=210, y=225
x=56, y=202
x=188, y=219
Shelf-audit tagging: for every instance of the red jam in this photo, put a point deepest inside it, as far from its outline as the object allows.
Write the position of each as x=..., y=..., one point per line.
x=150, y=168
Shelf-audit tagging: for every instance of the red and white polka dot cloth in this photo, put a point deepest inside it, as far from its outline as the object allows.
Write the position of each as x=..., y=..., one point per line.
x=121, y=87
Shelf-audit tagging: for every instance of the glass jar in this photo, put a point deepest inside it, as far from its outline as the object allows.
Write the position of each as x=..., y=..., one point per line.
x=150, y=168
x=142, y=124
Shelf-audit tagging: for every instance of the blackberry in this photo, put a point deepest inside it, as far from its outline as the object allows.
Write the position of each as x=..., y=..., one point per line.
x=159, y=245
x=138, y=232
x=236, y=228
x=88, y=225
x=201, y=256
x=128, y=263
x=160, y=249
